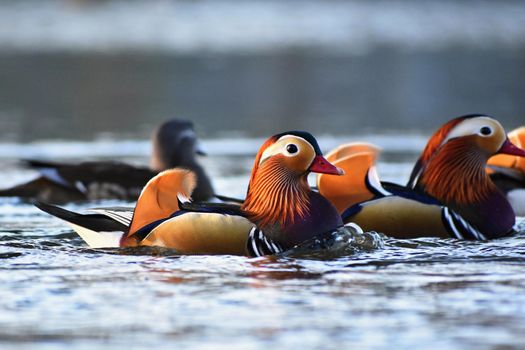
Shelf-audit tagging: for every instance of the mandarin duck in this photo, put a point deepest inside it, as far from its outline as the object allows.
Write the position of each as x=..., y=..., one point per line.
x=279, y=212
x=449, y=193
x=508, y=173
x=174, y=145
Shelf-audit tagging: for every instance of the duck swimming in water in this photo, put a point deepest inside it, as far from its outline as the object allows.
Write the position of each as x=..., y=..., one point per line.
x=508, y=173
x=280, y=210
x=174, y=145
x=449, y=193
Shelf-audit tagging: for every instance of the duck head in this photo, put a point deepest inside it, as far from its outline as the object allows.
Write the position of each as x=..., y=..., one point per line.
x=452, y=166
x=175, y=144
x=279, y=199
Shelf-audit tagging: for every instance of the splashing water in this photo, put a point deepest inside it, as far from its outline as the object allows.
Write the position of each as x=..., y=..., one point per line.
x=345, y=241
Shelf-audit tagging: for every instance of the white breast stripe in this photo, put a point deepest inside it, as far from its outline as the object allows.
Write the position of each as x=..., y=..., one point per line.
x=253, y=243
x=275, y=248
x=478, y=235
x=453, y=220
x=451, y=224
x=259, y=245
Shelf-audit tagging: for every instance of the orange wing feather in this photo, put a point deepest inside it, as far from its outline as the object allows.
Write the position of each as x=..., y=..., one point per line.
x=349, y=189
x=351, y=148
x=159, y=199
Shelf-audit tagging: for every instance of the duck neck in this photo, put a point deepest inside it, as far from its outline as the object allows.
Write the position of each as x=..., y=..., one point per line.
x=276, y=196
x=461, y=183
x=456, y=175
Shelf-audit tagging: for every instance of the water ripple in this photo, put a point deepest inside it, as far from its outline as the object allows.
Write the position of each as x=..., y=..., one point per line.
x=343, y=290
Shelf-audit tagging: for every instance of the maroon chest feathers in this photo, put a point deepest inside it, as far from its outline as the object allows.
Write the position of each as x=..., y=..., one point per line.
x=319, y=217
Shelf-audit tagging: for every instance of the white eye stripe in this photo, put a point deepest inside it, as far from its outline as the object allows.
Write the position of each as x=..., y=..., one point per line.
x=471, y=127
x=279, y=147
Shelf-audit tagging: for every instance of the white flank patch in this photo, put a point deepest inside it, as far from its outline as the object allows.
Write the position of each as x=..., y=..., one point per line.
x=98, y=239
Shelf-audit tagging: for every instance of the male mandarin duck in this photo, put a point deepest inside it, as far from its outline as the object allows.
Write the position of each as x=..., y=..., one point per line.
x=508, y=173
x=280, y=210
x=174, y=145
x=449, y=193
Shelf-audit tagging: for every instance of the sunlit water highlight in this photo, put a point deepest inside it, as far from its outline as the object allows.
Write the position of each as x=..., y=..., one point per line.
x=361, y=291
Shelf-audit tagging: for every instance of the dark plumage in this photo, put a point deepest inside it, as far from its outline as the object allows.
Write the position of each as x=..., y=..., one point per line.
x=174, y=145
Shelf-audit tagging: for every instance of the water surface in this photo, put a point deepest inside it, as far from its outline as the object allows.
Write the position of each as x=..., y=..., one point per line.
x=441, y=294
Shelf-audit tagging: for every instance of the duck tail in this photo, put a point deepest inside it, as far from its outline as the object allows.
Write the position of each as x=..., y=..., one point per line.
x=97, y=230
x=160, y=197
x=517, y=137
x=360, y=182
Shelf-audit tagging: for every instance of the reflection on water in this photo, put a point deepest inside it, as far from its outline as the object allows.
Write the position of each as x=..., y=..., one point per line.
x=79, y=96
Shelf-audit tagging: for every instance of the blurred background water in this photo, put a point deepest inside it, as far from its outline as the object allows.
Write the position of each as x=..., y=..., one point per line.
x=89, y=79
x=84, y=69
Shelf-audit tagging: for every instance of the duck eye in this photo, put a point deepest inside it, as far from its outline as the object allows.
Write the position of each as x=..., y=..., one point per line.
x=291, y=148
x=486, y=131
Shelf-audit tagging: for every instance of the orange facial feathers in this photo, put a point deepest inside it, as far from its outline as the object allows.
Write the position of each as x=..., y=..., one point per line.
x=456, y=174
x=275, y=194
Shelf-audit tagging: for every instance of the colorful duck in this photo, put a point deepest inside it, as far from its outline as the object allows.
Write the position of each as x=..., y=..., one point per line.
x=449, y=193
x=508, y=173
x=174, y=145
x=280, y=210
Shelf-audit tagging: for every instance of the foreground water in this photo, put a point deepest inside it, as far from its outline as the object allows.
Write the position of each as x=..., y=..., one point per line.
x=442, y=294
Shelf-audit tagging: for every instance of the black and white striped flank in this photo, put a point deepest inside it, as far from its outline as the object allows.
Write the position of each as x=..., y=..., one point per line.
x=460, y=228
x=259, y=245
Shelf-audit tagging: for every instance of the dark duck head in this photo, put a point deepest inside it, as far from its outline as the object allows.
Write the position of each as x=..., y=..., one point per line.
x=175, y=145
x=452, y=170
x=279, y=199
